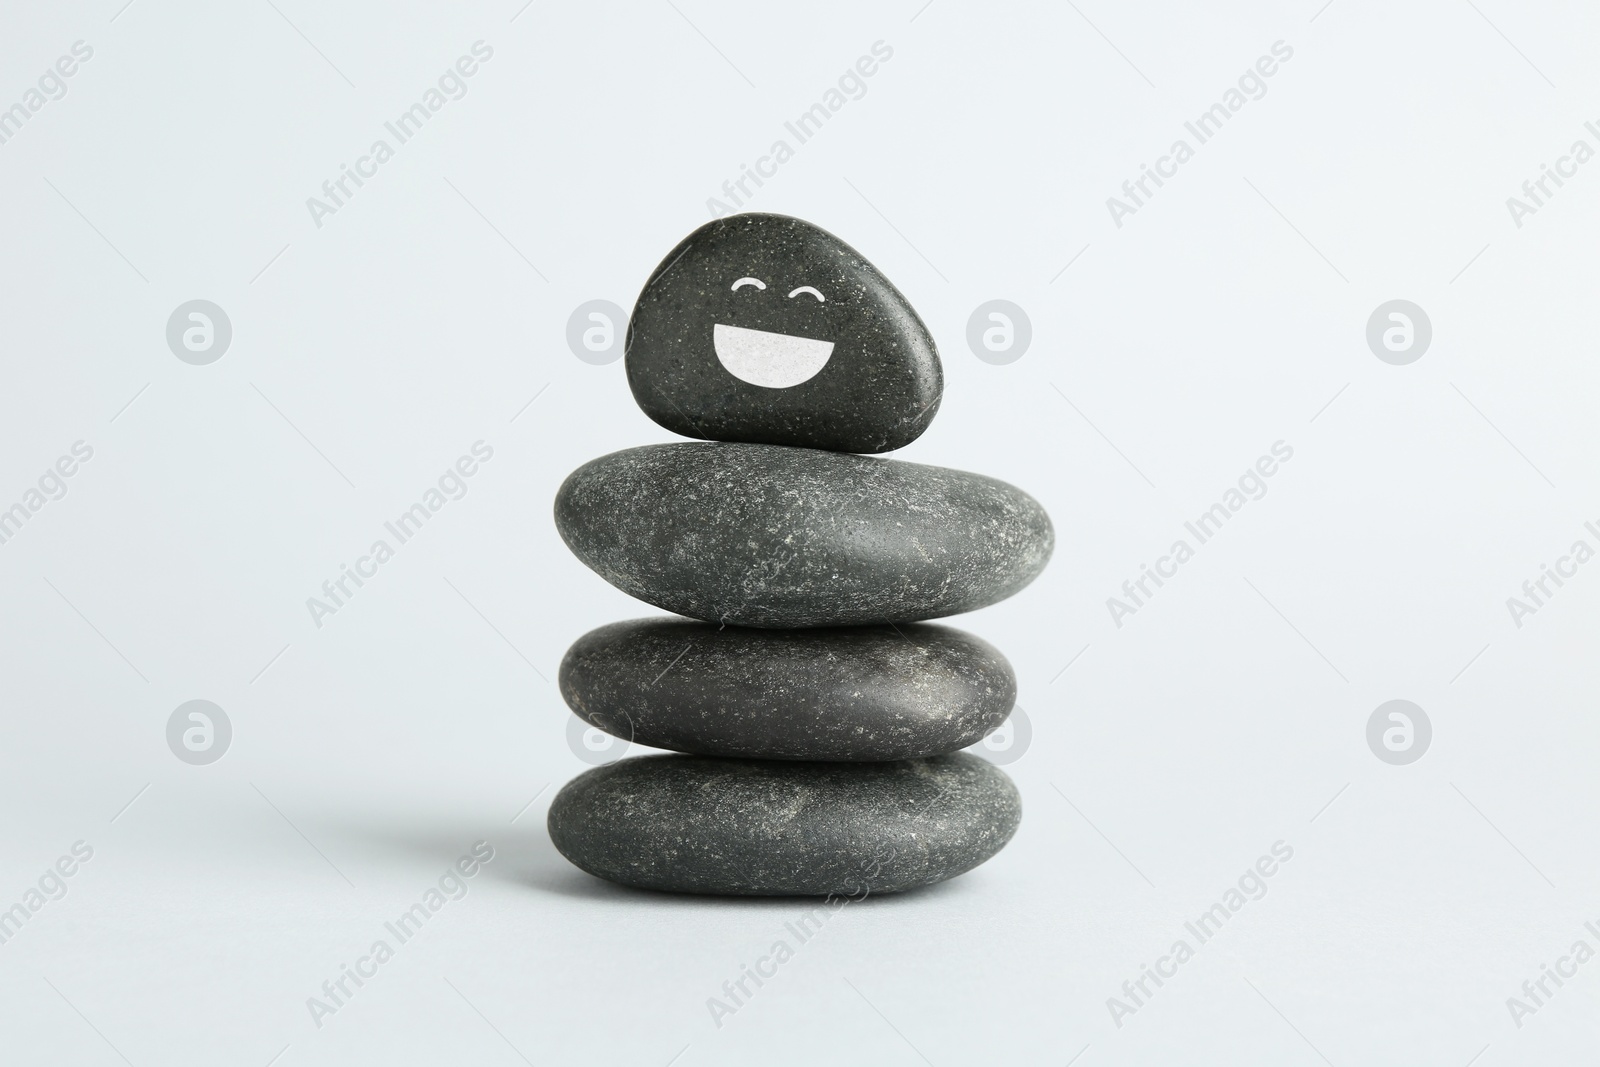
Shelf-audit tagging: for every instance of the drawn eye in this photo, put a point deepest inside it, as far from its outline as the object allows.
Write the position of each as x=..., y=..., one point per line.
x=757, y=282
x=808, y=289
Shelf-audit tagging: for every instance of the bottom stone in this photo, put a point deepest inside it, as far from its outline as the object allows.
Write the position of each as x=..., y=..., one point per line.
x=699, y=824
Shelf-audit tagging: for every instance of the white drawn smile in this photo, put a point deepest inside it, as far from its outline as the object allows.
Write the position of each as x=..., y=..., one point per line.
x=770, y=360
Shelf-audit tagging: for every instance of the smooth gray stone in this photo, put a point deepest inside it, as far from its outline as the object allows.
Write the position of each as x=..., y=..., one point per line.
x=856, y=693
x=763, y=535
x=813, y=348
x=698, y=824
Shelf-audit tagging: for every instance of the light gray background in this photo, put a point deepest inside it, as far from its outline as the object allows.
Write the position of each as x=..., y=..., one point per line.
x=1227, y=314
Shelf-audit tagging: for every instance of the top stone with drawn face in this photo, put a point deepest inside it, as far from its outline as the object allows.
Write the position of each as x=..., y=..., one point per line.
x=767, y=329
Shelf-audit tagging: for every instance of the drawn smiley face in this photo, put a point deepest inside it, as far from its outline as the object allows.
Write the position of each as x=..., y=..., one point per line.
x=769, y=329
x=765, y=358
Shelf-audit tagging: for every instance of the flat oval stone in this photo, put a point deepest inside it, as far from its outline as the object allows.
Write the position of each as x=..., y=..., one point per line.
x=761, y=535
x=855, y=693
x=766, y=328
x=697, y=824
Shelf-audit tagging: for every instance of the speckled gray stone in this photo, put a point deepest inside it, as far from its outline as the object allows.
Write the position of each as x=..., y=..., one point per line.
x=698, y=824
x=766, y=328
x=762, y=535
x=855, y=693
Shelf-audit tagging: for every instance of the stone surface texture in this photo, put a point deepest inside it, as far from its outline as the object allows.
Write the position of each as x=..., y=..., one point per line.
x=857, y=693
x=698, y=824
x=769, y=536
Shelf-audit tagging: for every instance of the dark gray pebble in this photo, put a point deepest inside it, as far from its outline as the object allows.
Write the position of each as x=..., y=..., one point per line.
x=763, y=535
x=854, y=693
x=766, y=328
x=698, y=824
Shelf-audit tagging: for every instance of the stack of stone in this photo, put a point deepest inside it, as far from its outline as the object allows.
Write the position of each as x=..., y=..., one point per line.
x=821, y=724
